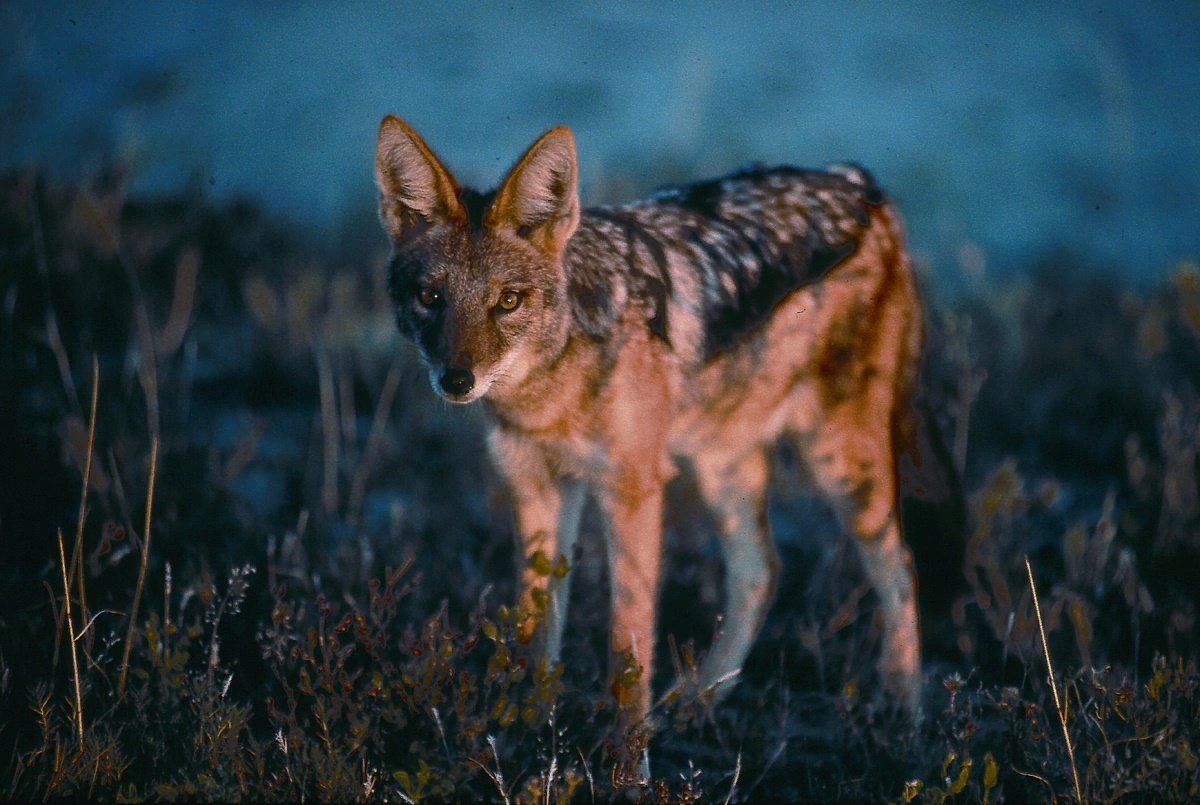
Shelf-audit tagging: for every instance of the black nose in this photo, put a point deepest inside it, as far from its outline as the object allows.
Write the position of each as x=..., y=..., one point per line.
x=457, y=381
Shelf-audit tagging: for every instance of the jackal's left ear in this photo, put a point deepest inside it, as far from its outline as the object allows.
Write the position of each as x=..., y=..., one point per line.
x=539, y=199
x=413, y=183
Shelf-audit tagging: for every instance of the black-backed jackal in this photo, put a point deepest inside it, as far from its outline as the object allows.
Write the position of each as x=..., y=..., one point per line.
x=699, y=326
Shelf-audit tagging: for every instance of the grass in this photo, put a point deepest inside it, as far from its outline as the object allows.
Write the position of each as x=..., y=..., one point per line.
x=1059, y=706
x=323, y=610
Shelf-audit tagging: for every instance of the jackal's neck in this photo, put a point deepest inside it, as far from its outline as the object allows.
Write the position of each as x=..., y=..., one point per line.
x=553, y=396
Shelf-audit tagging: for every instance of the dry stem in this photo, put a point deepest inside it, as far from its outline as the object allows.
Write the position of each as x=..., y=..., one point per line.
x=378, y=422
x=141, y=579
x=77, y=558
x=53, y=336
x=62, y=563
x=1058, y=703
x=76, y=569
x=329, y=486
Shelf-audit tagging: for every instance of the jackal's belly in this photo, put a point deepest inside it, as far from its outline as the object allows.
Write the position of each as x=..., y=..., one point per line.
x=750, y=395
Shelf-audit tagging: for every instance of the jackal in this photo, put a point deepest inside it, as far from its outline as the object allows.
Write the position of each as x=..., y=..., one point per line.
x=698, y=327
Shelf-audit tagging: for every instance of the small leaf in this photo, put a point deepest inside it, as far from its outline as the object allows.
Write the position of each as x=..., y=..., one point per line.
x=946, y=764
x=561, y=568
x=964, y=774
x=540, y=563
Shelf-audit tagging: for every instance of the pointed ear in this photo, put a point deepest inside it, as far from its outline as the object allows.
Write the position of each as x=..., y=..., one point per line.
x=539, y=200
x=413, y=184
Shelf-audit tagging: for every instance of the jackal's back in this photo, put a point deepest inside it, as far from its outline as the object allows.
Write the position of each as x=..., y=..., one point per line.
x=722, y=253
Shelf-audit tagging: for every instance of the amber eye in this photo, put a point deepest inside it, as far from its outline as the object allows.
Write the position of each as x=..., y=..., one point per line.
x=510, y=300
x=429, y=297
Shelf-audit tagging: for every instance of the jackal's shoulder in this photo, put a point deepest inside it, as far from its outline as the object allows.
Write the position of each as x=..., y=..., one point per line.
x=729, y=248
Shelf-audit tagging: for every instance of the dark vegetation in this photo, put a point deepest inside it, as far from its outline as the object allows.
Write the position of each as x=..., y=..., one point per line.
x=327, y=561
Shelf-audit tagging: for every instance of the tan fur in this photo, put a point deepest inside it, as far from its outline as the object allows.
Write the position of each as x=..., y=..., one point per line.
x=830, y=367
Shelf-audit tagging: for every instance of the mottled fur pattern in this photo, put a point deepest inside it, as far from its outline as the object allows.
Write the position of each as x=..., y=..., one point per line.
x=698, y=327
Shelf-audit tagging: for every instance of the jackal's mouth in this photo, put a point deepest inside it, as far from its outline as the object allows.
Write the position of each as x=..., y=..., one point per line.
x=460, y=399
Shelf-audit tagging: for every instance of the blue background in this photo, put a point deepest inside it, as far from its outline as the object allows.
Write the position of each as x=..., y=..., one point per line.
x=1004, y=130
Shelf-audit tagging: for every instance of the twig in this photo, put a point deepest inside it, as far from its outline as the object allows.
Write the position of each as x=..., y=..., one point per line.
x=141, y=579
x=62, y=563
x=1058, y=705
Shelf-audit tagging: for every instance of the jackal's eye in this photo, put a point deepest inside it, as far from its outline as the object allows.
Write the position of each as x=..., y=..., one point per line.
x=429, y=297
x=509, y=300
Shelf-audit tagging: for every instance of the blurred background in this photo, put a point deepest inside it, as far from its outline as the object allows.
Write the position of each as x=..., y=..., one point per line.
x=1002, y=129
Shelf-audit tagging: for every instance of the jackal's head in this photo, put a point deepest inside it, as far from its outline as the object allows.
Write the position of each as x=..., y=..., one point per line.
x=477, y=279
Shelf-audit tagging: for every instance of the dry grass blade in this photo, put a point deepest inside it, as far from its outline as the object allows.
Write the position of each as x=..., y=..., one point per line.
x=54, y=339
x=497, y=777
x=737, y=774
x=329, y=429
x=170, y=337
x=141, y=579
x=359, y=485
x=75, y=570
x=77, y=554
x=62, y=563
x=1058, y=703
x=53, y=336
x=147, y=361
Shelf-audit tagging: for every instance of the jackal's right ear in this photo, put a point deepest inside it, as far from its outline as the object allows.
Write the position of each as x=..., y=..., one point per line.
x=412, y=182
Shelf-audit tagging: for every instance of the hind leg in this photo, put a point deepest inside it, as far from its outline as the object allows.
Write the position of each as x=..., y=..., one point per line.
x=736, y=493
x=851, y=456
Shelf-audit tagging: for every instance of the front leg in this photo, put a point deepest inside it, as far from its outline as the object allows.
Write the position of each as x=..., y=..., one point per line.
x=548, y=523
x=634, y=555
x=547, y=509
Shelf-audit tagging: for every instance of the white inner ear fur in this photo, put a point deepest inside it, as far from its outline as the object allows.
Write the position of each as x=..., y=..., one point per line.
x=404, y=174
x=545, y=186
x=541, y=192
